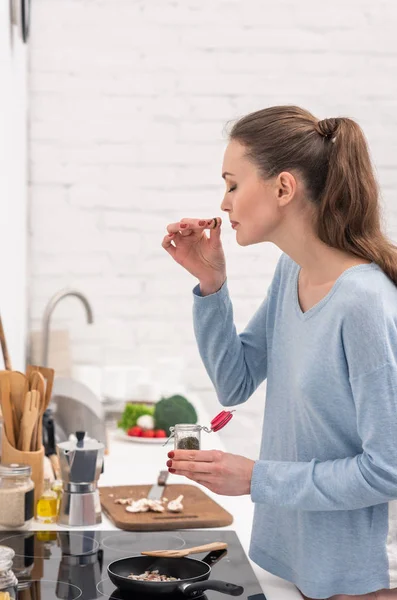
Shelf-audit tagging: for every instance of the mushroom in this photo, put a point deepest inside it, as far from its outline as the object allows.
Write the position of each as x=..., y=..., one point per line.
x=138, y=506
x=123, y=501
x=176, y=505
x=155, y=505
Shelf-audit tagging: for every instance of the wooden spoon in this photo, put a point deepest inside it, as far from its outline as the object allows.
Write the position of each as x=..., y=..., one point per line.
x=37, y=383
x=186, y=551
x=29, y=420
x=48, y=375
x=6, y=408
x=19, y=388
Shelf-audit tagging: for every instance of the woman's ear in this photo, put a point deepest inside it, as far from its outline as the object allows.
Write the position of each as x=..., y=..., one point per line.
x=286, y=188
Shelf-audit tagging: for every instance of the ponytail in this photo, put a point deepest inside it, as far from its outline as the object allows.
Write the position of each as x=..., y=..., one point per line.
x=348, y=214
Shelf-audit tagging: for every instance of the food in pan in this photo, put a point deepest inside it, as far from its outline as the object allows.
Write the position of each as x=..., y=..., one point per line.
x=152, y=576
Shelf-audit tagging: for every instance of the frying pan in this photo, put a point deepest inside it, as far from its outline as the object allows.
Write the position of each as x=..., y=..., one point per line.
x=193, y=575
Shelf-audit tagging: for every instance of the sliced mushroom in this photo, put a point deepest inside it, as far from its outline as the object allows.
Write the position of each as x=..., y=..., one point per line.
x=176, y=505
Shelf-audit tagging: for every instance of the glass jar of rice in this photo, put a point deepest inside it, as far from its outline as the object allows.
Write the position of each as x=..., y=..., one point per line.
x=16, y=497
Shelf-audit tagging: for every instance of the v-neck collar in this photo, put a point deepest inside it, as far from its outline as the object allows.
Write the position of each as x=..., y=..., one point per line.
x=317, y=307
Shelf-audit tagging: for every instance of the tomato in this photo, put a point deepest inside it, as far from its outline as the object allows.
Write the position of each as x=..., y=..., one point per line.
x=160, y=433
x=149, y=433
x=135, y=431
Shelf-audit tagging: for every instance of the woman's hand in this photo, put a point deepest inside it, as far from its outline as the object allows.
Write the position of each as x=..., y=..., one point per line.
x=221, y=472
x=202, y=256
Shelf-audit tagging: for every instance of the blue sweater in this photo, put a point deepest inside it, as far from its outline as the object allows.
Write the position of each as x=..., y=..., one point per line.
x=325, y=484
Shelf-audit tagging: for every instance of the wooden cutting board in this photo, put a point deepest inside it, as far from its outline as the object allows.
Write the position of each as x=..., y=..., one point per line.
x=199, y=510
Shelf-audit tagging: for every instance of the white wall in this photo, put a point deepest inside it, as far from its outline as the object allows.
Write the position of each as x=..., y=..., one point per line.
x=129, y=100
x=13, y=186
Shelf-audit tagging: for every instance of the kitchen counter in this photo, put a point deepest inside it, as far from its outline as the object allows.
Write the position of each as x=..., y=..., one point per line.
x=130, y=462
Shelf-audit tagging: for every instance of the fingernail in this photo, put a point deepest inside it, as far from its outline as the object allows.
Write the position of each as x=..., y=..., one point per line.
x=183, y=225
x=201, y=223
x=169, y=463
x=172, y=470
x=170, y=454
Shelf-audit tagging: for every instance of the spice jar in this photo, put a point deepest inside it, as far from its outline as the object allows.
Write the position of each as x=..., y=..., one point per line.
x=8, y=581
x=16, y=497
x=186, y=437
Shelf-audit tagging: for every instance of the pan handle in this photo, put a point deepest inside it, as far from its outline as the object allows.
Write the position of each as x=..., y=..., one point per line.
x=214, y=556
x=197, y=589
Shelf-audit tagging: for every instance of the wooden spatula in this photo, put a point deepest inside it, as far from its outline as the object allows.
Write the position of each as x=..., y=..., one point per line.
x=6, y=407
x=19, y=388
x=48, y=375
x=29, y=420
x=37, y=383
x=187, y=551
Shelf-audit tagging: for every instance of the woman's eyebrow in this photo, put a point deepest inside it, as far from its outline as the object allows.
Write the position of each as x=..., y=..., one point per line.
x=226, y=173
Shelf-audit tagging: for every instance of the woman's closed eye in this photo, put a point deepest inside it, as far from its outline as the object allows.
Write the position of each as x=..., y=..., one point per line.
x=231, y=189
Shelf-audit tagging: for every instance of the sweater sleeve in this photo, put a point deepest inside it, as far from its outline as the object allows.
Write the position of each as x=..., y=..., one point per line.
x=359, y=481
x=236, y=364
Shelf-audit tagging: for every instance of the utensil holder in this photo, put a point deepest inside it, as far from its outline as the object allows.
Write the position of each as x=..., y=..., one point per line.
x=35, y=460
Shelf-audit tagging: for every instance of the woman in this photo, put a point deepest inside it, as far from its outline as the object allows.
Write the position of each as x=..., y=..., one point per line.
x=325, y=338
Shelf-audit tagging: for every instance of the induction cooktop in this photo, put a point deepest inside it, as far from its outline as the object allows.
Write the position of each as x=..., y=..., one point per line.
x=73, y=564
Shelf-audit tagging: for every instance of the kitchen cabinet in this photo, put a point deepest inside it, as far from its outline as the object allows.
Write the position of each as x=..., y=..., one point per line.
x=13, y=186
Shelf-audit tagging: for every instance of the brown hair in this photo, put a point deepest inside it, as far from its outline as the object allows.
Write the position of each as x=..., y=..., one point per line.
x=332, y=158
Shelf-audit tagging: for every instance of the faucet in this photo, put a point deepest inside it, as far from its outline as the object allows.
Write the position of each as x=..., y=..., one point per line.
x=50, y=309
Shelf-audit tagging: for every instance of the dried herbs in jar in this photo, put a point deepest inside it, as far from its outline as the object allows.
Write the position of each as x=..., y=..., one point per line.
x=187, y=437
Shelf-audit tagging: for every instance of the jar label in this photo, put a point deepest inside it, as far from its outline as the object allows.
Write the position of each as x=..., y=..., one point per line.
x=29, y=505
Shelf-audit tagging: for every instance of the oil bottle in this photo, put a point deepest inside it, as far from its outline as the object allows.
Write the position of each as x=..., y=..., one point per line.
x=47, y=506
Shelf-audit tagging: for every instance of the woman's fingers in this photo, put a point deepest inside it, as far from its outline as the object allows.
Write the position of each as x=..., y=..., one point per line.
x=194, y=455
x=191, y=467
x=167, y=244
x=187, y=226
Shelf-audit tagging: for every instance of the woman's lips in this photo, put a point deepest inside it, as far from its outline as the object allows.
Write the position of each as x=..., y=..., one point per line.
x=233, y=224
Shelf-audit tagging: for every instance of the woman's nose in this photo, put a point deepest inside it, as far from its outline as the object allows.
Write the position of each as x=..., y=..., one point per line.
x=224, y=205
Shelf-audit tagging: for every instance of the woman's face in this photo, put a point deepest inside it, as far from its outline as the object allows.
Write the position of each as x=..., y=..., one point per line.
x=252, y=203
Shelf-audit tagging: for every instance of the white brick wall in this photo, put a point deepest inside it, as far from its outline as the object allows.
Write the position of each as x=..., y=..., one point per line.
x=128, y=104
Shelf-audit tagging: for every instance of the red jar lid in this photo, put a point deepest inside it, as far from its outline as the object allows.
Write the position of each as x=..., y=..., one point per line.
x=221, y=420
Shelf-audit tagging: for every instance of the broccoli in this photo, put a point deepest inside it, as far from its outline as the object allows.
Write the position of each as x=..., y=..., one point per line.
x=175, y=409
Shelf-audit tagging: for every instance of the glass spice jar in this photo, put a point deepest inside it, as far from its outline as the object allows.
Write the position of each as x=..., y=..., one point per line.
x=186, y=437
x=16, y=496
x=8, y=581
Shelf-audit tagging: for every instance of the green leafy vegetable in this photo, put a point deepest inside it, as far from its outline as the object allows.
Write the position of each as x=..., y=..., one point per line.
x=175, y=409
x=131, y=414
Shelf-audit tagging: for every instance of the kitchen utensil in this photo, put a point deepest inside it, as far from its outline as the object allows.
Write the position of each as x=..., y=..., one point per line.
x=156, y=491
x=3, y=342
x=29, y=420
x=6, y=407
x=19, y=388
x=186, y=551
x=81, y=463
x=192, y=576
x=48, y=375
x=37, y=383
x=200, y=511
